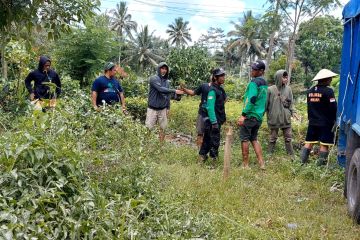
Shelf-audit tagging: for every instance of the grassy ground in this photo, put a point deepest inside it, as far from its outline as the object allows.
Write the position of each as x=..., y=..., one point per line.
x=287, y=201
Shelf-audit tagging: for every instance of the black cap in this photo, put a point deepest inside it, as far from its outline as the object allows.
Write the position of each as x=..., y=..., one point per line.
x=218, y=72
x=258, y=65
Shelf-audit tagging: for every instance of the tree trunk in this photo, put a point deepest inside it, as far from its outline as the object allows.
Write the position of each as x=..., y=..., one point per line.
x=272, y=36
x=290, y=56
x=3, y=61
x=120, y=43
x=271, y=46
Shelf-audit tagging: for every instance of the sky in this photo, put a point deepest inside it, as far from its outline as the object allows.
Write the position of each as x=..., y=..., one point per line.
x=201, y=14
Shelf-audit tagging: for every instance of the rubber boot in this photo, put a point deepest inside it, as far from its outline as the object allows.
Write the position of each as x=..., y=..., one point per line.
x=202, y=159
x=162, y=136
x=289, y=148
x=323, y=157
x=304, y=155
x=213, y=163
x=271, y=147
x=199, y=141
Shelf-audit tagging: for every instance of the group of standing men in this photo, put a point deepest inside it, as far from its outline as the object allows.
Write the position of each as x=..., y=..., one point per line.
x=277, y=101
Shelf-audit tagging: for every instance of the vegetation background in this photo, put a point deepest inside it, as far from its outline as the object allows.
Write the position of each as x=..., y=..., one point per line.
x=73, y=173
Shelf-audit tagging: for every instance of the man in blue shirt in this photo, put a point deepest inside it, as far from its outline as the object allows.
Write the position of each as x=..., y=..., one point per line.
x=106, y=89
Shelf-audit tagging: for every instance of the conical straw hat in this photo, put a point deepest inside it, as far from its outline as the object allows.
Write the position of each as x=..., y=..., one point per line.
x=324, y=73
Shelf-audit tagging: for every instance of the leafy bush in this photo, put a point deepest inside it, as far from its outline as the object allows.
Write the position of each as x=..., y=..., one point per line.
x=235, y=87
x=83, y=53
x=297, y=75
x=71, y=173
x=133, y=85
x=137, y=107
x=192, y=65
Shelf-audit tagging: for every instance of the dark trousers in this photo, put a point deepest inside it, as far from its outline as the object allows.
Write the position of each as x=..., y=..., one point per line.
x=211, y=141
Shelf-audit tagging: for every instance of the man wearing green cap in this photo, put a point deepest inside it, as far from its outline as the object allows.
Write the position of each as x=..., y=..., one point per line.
x=106, y=89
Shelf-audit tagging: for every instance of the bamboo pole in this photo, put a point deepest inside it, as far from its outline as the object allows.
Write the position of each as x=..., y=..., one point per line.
x=227, y=152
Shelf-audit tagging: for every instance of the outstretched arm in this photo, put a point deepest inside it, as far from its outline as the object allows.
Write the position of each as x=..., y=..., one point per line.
x=155, y=83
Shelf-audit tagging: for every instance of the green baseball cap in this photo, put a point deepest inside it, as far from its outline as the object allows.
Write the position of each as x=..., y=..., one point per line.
x=109, y=66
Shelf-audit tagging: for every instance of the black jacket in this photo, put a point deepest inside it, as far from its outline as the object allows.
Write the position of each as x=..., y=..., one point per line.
x=219, y=103
x=159, y=90
x=39, y=77
x=322, y=106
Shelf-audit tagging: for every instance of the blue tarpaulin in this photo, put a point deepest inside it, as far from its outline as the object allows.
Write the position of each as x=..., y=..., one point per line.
x=349, y=97
x=352, y=9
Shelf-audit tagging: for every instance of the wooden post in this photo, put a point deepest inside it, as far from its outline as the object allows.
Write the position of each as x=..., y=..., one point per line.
x=227, y=152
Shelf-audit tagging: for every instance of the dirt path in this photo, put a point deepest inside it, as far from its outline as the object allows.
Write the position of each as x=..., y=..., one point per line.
x=179, y=139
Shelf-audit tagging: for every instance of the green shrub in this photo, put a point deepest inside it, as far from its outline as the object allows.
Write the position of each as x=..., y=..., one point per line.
x=74, y=173
x=137, y=107
x=235, y=87
x=133, y=85
x=192, y=65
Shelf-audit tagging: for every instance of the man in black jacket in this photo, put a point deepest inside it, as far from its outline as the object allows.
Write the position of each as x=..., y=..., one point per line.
x=41, y=76
x=322, y=109
x=159, y=99
x=203, y=91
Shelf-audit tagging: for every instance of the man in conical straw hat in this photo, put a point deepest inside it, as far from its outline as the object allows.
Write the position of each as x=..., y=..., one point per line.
x=322, y=107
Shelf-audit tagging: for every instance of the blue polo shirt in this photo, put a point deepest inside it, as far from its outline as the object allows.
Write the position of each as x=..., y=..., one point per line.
x=107, y=89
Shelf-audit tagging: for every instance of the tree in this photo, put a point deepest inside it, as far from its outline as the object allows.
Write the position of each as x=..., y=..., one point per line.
x=141, y=49
x=280, y=63
x=83, y=53
x=274, y=21
x=53, y=15
x=213, y=40
x=122, y=23
x=179, y=32
x=246, y=35
x=247, y=38
x=297, y=11
x=319, y=44
x=192, y=65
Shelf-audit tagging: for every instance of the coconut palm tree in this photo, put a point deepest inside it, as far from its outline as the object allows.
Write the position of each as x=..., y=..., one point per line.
x=141, y=49
x=179, y=32
x=246, y=35
x=121, y=22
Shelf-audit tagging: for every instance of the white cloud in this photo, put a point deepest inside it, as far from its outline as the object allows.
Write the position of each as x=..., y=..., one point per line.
x=201, y=14
x=144, y=15
x=338, y=12
x=221, y=12
x=225, y=8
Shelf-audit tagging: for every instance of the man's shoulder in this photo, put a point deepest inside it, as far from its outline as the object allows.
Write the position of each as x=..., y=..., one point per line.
x=35, y=72
x=272, y=88
x=329, y=91
x=100, y=78
x=52, y=71
x=154, y=78
x=259, y=81
x=328, y=88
